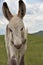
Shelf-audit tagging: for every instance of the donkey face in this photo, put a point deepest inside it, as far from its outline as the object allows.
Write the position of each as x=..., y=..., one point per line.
x=16, y=27
x=17, y=31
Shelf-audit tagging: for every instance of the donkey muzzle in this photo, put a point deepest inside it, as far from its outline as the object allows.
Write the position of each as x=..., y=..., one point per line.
x=18, y=46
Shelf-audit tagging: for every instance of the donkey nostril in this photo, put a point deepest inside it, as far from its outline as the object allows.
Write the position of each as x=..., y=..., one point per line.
x=18, y=46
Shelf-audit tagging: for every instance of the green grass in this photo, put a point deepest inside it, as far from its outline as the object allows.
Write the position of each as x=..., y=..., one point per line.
x=34, y=53
x=3, y=56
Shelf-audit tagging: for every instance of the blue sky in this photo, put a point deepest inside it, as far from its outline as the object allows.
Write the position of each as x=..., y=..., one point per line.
x=35, y=1
x=34, y=15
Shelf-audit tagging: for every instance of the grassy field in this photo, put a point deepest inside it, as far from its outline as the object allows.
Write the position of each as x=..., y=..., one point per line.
x=34, y=53
x=3, y=55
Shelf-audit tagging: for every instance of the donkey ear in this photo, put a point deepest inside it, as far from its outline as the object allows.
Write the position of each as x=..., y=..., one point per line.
x=22, y=9
x=6, y=11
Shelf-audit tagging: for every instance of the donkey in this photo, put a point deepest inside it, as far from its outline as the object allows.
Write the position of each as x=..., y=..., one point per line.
x=16, y=36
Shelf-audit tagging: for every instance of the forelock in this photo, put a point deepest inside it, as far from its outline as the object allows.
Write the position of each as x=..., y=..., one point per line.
x=16, y=22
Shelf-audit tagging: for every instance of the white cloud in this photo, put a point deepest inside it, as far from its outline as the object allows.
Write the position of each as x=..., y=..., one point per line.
x=1, y=23
x=4, y=21
x=36, y=8
x=34, y=23
x=34, y=18
x=2, y=27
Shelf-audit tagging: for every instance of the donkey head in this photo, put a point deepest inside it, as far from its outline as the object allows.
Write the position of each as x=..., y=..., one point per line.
x=16, y=28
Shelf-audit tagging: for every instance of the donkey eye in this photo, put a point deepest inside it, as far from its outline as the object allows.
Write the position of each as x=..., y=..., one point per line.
x=21, y=29
x=10, y=29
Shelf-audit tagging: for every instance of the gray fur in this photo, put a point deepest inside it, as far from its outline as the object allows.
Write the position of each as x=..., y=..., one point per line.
x=16, y=35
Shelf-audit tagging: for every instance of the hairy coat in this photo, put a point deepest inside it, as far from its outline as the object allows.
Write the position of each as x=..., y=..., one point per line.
x=16, y=35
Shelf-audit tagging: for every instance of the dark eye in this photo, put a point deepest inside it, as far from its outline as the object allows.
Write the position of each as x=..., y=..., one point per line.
x=10, y=30
x=21, y=29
